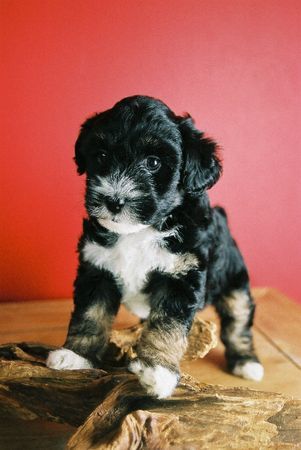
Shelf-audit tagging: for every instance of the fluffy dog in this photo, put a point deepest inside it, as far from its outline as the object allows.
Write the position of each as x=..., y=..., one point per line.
x=153, y=243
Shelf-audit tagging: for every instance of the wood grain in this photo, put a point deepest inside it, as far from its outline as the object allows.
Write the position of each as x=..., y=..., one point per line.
x=277, y=337
x=279, y=320
x=115, y=412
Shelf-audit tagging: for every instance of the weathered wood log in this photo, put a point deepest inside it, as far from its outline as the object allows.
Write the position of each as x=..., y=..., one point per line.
x=198, y=416
x=201, y=339
x=115, y=413
x=28, y=389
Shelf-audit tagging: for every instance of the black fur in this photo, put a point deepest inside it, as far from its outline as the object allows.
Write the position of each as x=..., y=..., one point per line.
x=116, y=144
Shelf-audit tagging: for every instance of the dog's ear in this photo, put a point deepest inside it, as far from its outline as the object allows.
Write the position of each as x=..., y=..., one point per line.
x=82, y=144
x=201, y=164
x=79, y=157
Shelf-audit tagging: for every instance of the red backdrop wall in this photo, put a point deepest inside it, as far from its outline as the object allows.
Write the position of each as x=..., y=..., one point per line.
x=233, y=64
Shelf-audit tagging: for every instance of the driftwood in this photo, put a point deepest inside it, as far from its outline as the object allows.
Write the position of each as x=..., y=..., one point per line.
x=112, y=411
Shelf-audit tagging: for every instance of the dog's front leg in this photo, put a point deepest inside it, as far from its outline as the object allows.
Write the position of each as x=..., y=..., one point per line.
x=174, y=301
x=96, y=302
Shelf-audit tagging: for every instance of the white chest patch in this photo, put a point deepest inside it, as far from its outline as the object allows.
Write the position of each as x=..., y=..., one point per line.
x=132, y=258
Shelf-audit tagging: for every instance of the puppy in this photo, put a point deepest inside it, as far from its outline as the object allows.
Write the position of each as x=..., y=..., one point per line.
x=153, y=243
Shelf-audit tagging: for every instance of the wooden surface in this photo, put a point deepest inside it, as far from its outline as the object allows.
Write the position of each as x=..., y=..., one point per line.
x=112, y=411
x=277, y=335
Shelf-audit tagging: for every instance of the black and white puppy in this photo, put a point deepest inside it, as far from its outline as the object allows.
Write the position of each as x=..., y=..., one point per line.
x=153, y=243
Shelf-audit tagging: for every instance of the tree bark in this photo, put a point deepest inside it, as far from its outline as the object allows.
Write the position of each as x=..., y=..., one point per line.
x=112, y=410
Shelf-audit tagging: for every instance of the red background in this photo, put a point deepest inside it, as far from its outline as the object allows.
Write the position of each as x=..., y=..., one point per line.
x=233, y=64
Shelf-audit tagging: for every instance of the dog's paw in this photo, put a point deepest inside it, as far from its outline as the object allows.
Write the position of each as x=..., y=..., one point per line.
x=250, y=370
x=157, y=380
x=65, y=359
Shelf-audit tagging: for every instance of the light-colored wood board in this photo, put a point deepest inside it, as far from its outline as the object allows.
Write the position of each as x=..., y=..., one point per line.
x=279, y=319
x=280, y=374
x=39, y=316
x=54, y=334
x=54, y=337
x=35, y=315
x=31, y=315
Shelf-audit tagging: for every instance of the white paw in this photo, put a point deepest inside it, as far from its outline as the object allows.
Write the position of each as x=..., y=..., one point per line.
x=251, y=370
x=65, y=359
x=157, y=380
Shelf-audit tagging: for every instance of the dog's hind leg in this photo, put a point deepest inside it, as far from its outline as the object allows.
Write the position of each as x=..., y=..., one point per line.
x=236, y=311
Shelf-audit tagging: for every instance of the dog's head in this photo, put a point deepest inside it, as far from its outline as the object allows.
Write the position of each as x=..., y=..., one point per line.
x=140, y=160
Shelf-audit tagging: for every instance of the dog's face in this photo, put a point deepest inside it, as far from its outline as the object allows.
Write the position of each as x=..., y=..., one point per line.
x=140, y=160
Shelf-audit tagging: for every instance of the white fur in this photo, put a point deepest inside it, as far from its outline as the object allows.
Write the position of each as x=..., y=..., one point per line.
x=64, y=359
x=122, y=227
x=157, y=381
x=137, y=304
x=132, y=258
x=251, y=370
x=117, y=185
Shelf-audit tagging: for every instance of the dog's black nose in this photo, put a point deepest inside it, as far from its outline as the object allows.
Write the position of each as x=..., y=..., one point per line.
x=114, y=205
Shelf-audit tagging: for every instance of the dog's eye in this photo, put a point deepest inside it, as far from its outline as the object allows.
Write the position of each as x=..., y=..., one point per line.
x=153, y=163
x=102, y=156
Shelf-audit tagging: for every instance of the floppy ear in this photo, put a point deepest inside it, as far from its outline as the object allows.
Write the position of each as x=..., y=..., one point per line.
x=81, y=144
x=79, y=157
x=201, y=166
